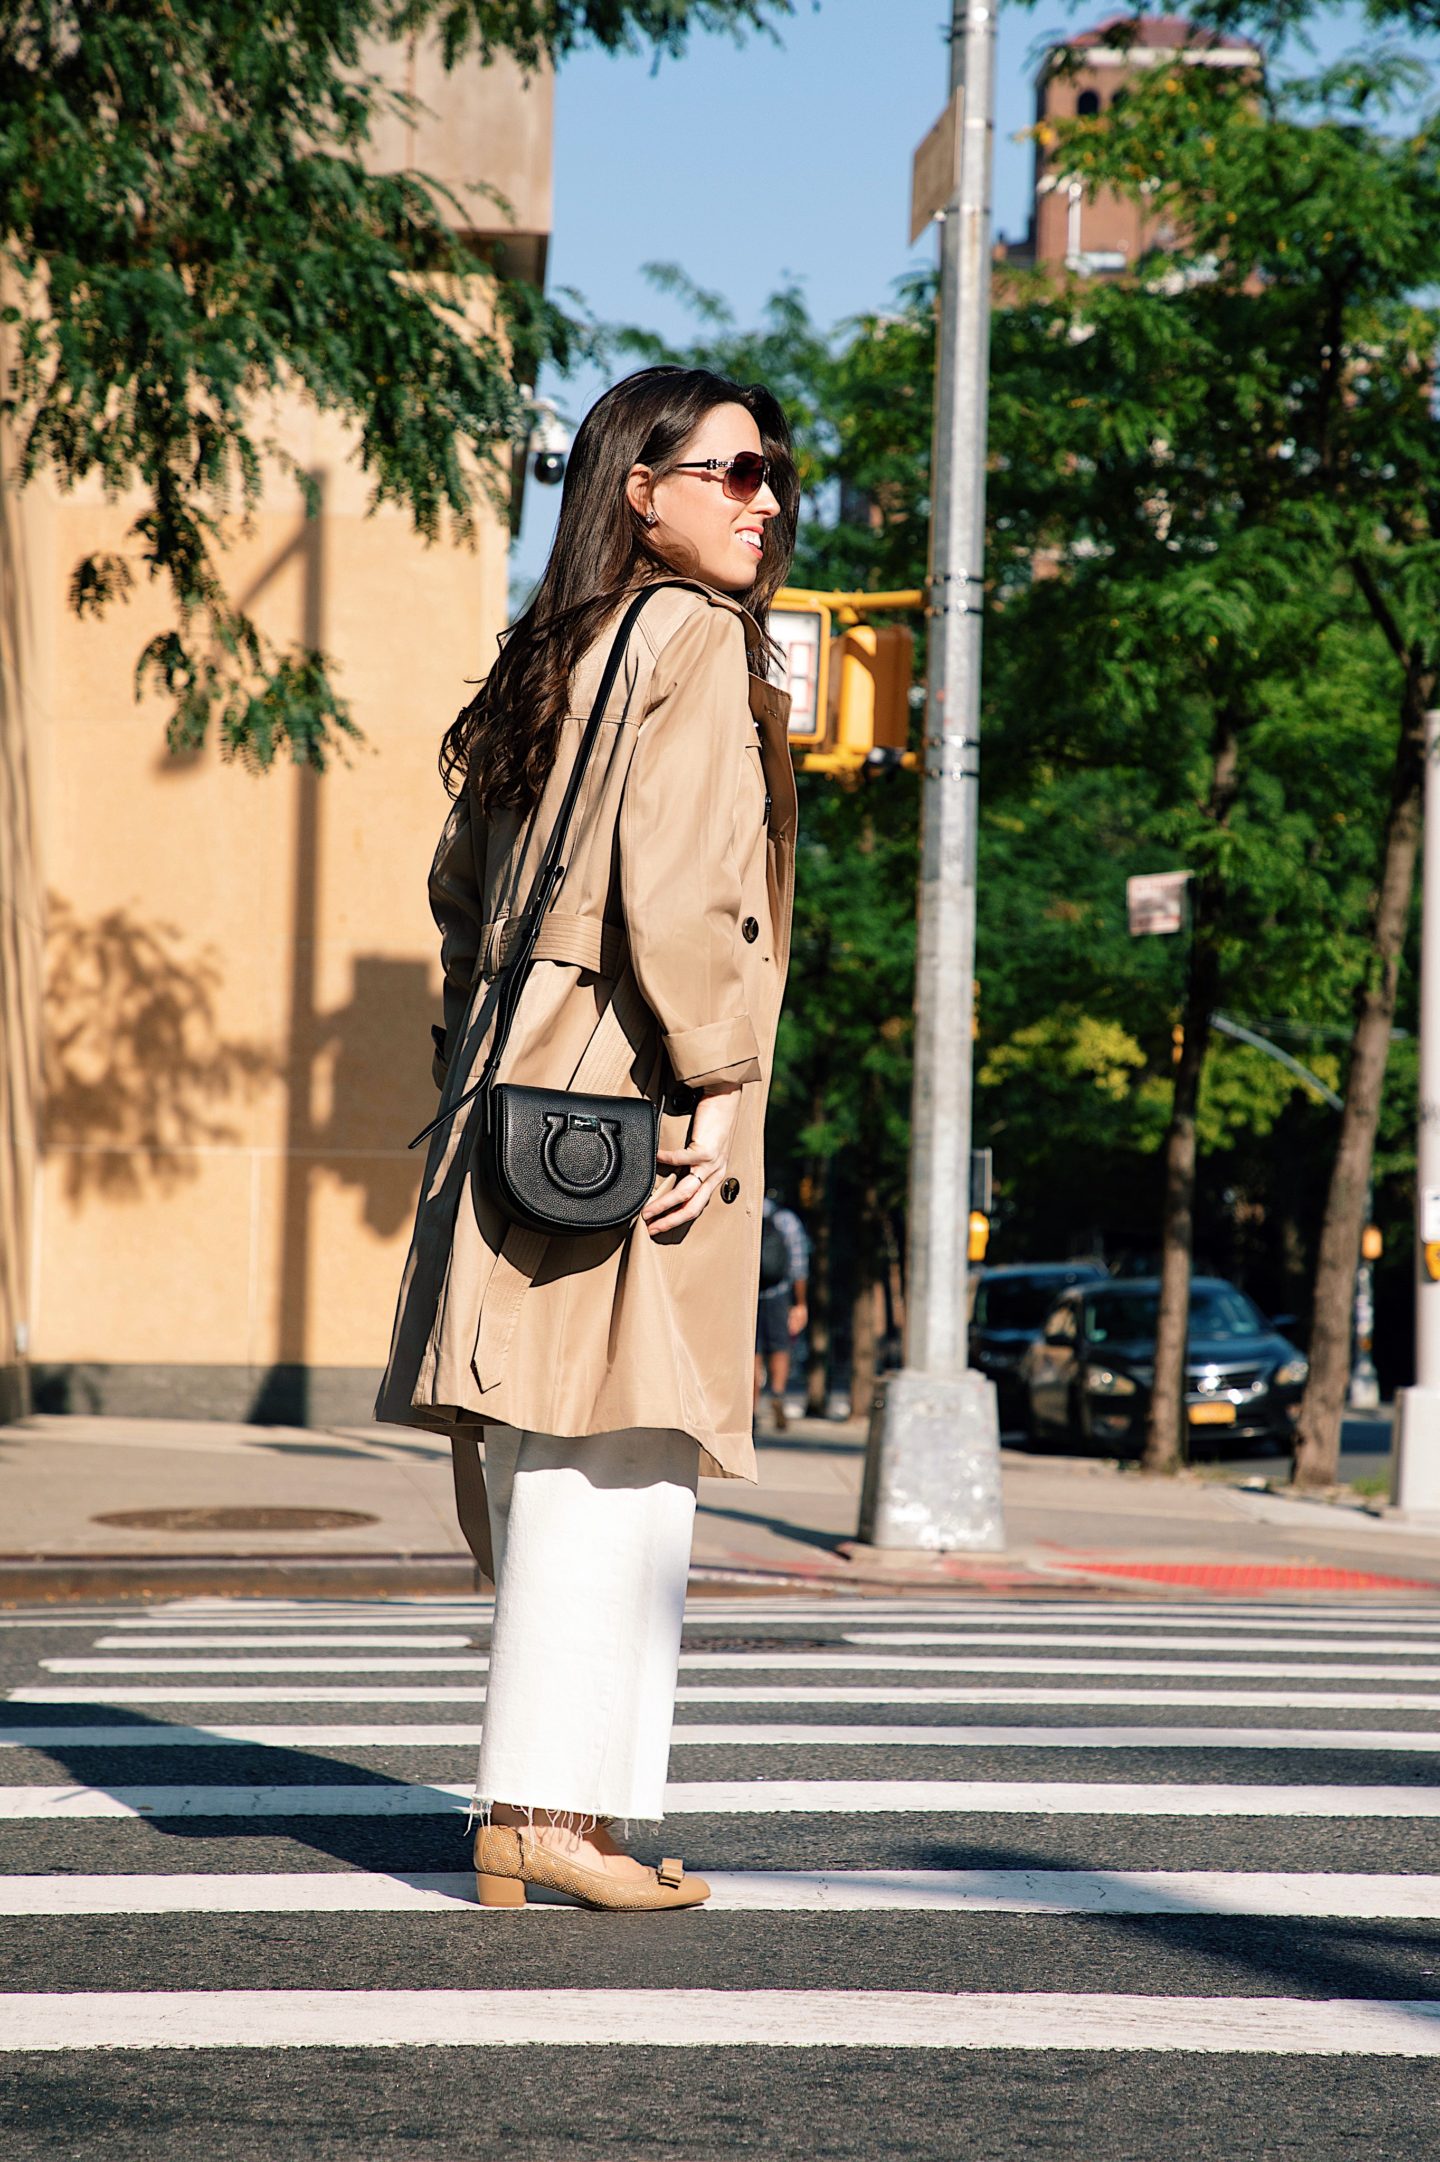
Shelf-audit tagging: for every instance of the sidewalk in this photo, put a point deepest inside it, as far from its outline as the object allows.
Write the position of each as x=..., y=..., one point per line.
x=112, y=1508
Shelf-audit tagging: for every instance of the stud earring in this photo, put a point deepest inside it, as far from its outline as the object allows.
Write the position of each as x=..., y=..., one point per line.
x=651, y=518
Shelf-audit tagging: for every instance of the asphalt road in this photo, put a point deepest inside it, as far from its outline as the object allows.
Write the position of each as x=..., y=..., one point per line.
x=1073, y=1878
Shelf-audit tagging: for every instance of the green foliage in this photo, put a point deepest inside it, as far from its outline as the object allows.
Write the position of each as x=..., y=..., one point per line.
x=1214, y=507
x=187, y=227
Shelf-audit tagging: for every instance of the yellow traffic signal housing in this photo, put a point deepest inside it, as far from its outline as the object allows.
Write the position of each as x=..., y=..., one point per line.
x=870, y=675
x=848, y=679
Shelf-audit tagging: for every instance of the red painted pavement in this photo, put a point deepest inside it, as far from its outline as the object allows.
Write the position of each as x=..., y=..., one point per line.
x=1249, y=1576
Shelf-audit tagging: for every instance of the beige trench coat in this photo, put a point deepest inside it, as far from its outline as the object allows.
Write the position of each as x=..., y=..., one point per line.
x=660, y=966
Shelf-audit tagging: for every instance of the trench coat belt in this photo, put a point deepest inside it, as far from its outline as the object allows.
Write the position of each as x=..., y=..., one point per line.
x=584, y=941
x=607, y=1060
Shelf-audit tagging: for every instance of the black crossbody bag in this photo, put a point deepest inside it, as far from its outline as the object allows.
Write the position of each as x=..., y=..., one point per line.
x=556, y=1161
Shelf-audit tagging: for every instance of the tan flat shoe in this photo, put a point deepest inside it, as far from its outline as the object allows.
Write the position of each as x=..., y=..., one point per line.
x=507, y=1859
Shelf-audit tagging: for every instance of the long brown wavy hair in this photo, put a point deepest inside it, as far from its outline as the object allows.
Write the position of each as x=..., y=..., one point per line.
x=503, y=744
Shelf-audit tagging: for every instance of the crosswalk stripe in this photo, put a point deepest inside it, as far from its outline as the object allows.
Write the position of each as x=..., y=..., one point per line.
x=960, y=1639
x=140, y=1631
x=1176, y=1893
x=956, y=1639
x=752, y=1797
x=156, y=1620
x=1105, y=1609
x=715, y=2018
x=806, y=1662
x=1372, y=1700
x=289, y=1643
x=688, y=1735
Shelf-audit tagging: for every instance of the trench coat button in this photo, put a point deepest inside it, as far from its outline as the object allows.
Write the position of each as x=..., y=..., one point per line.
x=749, y=930
x=730, y=1190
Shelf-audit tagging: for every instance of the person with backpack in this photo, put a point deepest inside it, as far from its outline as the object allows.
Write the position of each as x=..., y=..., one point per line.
x=783, y=1310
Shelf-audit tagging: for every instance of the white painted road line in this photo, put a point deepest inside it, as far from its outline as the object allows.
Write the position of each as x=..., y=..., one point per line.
x=776, y=1662
x=246, y=1693
x=1187, y=1625
x=1360, y=1700
x=714, y=2018
x=1387, y=1647
x=687, y=1735
x=1254, y=1894
x=289, y=1643
x=156, y=1621
x=1208, y=1612
x=474, y=1663
x=751, y=1797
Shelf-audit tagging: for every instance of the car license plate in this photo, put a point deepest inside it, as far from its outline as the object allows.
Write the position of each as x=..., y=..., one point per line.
x=1217, y=1414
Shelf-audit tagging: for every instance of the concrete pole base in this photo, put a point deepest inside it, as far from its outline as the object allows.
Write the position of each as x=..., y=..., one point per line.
x=932, y=1468
x=1364, y=1386
x=1415, y=1452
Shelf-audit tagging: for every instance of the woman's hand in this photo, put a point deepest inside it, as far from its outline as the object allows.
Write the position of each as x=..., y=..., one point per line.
x=700, y=1164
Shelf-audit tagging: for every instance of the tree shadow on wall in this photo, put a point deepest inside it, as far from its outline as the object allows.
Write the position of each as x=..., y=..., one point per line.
x=374, y=1052
x=138, y=1074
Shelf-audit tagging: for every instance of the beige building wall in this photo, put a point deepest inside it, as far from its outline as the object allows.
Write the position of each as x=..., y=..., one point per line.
x=240, y=970
x=26, y=700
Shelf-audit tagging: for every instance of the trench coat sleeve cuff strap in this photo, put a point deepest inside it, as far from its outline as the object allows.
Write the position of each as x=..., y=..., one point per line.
x=721, y=1051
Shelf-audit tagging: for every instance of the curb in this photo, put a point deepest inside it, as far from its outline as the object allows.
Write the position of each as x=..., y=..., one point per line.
x=57, y=1579
x=40, y=1579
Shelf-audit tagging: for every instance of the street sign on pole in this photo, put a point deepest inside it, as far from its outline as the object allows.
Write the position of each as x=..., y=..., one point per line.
x=932, y=1466
x=1155, y=903
x=935, y=174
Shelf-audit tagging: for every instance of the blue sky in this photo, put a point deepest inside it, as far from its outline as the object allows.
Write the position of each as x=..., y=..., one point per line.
x=752, y=164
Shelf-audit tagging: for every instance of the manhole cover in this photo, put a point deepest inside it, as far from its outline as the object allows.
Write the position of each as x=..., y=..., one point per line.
x=235, y=1519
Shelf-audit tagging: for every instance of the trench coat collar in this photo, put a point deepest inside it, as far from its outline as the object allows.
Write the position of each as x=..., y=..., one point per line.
x=770, y=709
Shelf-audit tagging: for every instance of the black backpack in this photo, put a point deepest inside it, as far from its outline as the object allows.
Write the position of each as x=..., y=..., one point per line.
x=774, y=1256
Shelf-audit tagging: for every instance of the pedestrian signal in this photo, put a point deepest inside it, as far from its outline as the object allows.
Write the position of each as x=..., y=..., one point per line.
x=979, y=1235
x=849, y=678
x=1372, y=1243
x=801, y=625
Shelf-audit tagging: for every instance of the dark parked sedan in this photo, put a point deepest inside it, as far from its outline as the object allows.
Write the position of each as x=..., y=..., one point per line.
x=1088, y=1377
x=1008, y=1313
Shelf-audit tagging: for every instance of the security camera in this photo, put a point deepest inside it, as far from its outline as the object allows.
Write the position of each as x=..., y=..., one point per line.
x=549, y=445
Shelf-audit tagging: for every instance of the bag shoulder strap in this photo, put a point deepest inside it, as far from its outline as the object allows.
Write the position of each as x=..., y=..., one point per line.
x=511, y=981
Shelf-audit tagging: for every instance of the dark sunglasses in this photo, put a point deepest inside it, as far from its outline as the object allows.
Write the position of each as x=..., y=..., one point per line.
x=743, y=475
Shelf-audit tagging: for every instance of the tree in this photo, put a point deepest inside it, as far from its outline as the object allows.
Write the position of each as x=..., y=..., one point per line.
x=1108, y=674
x=187, y=224
x=1302, y=236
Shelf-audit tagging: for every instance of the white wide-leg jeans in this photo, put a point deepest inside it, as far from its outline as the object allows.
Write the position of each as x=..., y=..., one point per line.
x=592, y=1544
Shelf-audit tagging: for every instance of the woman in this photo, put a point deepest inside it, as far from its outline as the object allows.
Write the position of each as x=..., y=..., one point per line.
x=606, y=1373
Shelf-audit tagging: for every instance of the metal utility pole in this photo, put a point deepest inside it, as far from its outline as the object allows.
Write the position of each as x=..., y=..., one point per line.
x=932, y=1474
x=1416, y=1453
